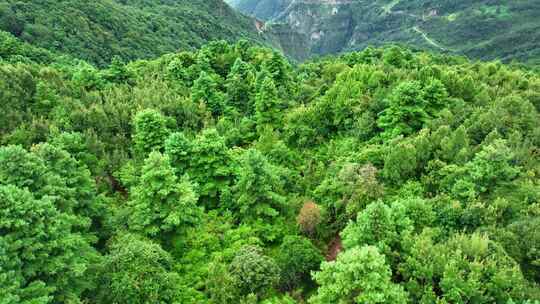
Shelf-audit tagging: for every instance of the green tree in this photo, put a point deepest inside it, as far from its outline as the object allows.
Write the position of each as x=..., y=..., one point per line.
x=179, y=149
x=253, y=272
x=522, y=242
x=239, y=87
x=379, y=225
x=210, y=166
x=267, y=102
x=491, y=167
x=48, y=171
x=258, y=188
x=435, y=96
x=406, y=112
x=161, y=203
x=205, y=89
x=400, y=163
x=44, y=258
x=117, y=71
x=150, y=132
x=456, y=147
x=297, y=257
x=75, y=189
x=137, y=271
x=464, y=269
x=17, y=88
x=359, y=275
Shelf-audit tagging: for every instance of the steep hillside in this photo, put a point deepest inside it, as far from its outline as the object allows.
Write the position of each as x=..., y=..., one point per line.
x=262, y=9
x=97, y=31
x=483, y=29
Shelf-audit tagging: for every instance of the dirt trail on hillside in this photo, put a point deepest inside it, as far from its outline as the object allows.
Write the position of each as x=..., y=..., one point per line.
x=334, y=248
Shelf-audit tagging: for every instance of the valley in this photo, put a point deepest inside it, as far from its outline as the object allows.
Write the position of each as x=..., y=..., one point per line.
x=330, y=27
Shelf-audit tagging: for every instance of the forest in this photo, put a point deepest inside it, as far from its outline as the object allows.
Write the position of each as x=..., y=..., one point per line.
x=229, y=174
x=99, y=30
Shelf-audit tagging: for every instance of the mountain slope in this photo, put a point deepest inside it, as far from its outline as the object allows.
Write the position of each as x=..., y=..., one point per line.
x=262, y=9
x=483, y=29
x=97, y=31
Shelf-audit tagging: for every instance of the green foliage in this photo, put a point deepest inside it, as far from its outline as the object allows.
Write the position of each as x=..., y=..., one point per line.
x=406, y=112
x=252, y=272
x=137, y=271
x=44, y=258
x=150, y=132
x=520, y=240
x=359, y=275
x=209, y=166
x=258, y=189
x=205, y=89
x=266, y=100
x=297, y=258
x=463, y=269
x=379, y=225
x=137, y=29
x=397, y=162
x=179, y=148
x=161, y=203
x=490, y=167
x=400, y=163
x=240, y=87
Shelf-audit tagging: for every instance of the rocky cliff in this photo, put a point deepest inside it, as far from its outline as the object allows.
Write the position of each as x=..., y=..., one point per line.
x=484, y=29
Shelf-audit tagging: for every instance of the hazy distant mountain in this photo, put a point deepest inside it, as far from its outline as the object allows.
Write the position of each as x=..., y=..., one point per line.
x=486, y=29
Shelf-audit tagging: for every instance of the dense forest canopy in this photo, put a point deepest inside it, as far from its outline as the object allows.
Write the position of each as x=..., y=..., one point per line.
x=99, y=30
x=230, y=175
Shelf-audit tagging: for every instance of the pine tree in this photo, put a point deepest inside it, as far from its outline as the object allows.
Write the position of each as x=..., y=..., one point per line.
x=161, y=204
x=150, y=132
x=258, y=189
x=267, y=103
x=205, y=89
x=406, y=112
x=239, y=86
x=209, y=167
x=43, y=255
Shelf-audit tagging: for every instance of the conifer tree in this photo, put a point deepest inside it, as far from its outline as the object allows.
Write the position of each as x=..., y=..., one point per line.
x=267, y=103
x=161, y=204
x=205, y=89
x=239, y=86
x=258, y=189
x=44, y=257
x=150, y=132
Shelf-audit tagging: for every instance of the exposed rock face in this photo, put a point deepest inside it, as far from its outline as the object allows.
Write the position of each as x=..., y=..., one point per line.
x=304, y=27
x=326, y=25
x=484, y=29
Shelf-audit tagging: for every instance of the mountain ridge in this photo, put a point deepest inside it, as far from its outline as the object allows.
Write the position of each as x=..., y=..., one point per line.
x=480, y=29
x=99, y=30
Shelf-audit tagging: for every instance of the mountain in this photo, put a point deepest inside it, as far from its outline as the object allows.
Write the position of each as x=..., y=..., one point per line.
x=96, y=31
x=482, y=29
x=262, y=9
